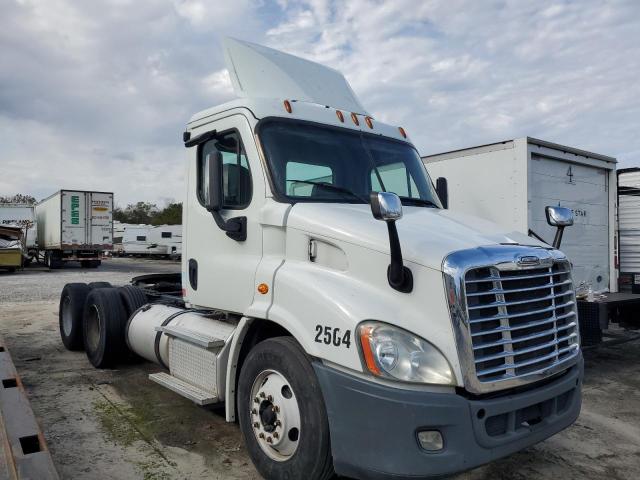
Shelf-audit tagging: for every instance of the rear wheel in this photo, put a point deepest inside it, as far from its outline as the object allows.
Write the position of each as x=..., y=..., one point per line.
x=282, y=414
x=103, y=321
x=70, y=314
x=93, y=285
x=133, y=298
x=53, y=259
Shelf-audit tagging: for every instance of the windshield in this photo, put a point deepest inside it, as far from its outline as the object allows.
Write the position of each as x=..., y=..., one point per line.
x=314, y=163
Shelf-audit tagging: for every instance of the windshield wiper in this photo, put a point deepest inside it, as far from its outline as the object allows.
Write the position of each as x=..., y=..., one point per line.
x=418, y=201
x=331, y=186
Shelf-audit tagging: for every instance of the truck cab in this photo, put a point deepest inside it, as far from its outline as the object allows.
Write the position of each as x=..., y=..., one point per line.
x=349, y=322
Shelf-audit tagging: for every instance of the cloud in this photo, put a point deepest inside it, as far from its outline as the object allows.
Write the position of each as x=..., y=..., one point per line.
x=96, y=94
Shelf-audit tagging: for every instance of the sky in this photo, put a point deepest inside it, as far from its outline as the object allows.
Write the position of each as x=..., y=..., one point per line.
x=95, y=94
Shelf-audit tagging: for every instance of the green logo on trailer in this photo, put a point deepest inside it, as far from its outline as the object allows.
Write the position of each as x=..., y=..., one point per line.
x=75, y=210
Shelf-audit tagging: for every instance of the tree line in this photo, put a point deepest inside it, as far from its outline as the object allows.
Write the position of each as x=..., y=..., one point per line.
x=149, y=213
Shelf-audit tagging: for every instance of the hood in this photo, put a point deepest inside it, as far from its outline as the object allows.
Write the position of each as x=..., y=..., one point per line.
x=427, y=235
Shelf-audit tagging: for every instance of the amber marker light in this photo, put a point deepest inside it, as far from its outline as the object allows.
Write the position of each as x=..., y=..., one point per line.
x=287, y=106
x=354, y=117
x=402, y=132
x=365, y=333
x=340, y=116
x=369, y=121
x=263, y=288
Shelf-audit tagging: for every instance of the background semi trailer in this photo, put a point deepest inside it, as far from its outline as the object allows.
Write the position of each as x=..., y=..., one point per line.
x=511, y=182
x=355, y=326
x=629, y=228
x=75, y=225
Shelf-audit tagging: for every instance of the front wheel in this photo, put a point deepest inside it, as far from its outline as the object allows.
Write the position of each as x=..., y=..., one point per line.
x=282, y=413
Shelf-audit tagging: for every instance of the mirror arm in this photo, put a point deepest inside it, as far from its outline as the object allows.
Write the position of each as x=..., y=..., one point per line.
x=400, y=277
x=557, y=240
x=235, y=228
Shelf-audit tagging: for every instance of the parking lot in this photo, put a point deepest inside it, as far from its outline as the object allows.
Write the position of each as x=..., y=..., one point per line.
x=115, y=424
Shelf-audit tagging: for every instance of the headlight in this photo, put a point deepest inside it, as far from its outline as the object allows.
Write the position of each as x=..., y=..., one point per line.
x=392, y=352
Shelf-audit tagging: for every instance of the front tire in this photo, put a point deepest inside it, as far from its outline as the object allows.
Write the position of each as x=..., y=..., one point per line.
x=282, y=413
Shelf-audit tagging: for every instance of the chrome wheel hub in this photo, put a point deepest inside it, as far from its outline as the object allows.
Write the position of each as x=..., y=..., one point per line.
x=275, y=415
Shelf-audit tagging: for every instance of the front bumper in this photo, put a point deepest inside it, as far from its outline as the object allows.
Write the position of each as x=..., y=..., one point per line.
x=374, y=427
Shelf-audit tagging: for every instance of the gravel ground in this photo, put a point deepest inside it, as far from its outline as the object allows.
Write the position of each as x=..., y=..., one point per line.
x=116, y=424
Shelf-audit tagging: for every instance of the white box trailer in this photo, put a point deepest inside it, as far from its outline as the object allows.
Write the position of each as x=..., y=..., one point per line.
x=629, y=228
x=512, y=182
x=75, y=225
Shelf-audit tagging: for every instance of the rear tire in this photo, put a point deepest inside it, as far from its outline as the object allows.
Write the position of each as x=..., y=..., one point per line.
x=286, y=431
x=70, y=314
x=103, y=327
x=53, y=260
x=133, y=298
x=93, y=285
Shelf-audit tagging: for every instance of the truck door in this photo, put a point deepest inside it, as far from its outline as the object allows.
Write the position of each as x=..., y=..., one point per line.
x=74, y=218
x=100, y=221
x=219, y=271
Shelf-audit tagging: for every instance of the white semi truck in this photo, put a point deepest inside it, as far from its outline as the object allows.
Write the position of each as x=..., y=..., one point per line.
x=75, y=225
x=420, y=345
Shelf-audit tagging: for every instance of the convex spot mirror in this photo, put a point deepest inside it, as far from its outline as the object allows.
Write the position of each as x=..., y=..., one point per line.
x=559, y=216
x=386, y=206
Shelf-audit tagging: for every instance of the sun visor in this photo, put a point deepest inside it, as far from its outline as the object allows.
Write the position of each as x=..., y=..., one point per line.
x=261, y=72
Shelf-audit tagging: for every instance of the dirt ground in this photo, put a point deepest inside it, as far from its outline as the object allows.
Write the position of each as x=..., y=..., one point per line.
x=116, y=424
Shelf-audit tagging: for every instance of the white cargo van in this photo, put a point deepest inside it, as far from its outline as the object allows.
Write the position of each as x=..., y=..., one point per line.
x=75, y=225
x=354, y=326
x=511, y=182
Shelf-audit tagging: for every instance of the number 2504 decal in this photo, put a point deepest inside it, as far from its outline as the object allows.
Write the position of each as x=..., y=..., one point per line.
x=333, y=336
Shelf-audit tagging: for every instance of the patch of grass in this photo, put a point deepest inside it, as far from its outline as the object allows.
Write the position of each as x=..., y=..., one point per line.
x=117, y=422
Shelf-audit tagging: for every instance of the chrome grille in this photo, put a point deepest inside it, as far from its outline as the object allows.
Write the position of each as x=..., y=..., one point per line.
x=521, y=321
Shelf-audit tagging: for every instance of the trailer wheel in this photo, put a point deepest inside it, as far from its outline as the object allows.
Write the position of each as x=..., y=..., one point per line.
x=282, y=413
x=70, y=314
x=52, y=260
x=133, y=298
x=103, y=326
x=93, y=285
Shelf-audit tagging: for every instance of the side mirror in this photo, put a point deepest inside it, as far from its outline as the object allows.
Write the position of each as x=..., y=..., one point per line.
x=214, y=199
x=559, y=217
x=387, y=207
x=442, y=189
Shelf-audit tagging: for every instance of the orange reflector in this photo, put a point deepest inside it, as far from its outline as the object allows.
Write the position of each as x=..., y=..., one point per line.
x=263, y=288
x=402, y=132
x=340, y=115
x=287, y=106
x=354, y=117
x=369, y=121
x=366, y=350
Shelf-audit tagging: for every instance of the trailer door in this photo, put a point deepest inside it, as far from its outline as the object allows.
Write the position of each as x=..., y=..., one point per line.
x=584, y=189
x=101, y=221
x=74, y=219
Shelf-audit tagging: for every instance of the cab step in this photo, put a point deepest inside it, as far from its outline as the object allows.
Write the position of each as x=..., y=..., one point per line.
x=191, y=336
x=195, y=394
